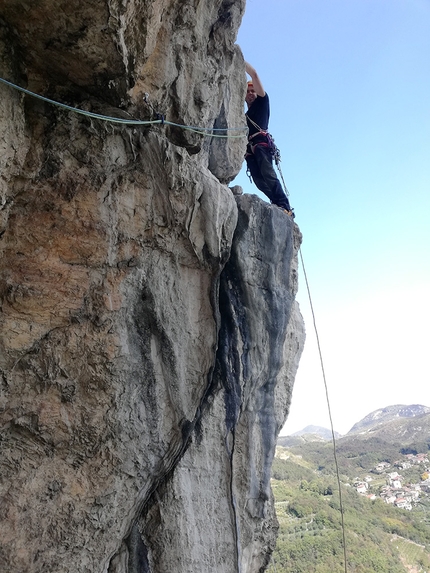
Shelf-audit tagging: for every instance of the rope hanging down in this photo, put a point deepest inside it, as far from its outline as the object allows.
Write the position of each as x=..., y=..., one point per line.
x=345, y=565
x=329, y=413
x=200, y=130
x=277, y=157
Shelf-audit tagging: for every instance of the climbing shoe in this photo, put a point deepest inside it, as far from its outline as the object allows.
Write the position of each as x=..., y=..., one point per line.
x=289, y=212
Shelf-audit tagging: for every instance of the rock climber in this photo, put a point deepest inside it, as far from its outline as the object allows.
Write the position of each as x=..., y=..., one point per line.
x=259, y=151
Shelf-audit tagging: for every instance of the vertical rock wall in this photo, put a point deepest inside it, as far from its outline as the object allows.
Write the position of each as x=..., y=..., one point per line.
x=140, y=392
x=216, y=510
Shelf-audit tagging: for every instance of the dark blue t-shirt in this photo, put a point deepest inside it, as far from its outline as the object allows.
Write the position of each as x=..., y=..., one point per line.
x=259, y=112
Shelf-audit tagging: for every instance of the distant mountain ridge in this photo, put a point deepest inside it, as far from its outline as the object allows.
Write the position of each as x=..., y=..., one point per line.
x=391, y=419
x=320, y=431
x=387, y=415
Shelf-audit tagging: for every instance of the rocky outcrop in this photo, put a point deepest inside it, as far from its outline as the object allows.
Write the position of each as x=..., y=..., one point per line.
x=219, y=496
x=149, y=334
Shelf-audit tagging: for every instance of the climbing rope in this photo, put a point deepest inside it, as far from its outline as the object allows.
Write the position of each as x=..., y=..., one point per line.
x=329, y=413
x=277, y=157
x=200, y=130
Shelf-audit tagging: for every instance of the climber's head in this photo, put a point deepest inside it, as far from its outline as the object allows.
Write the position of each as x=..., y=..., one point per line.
x=251, y=96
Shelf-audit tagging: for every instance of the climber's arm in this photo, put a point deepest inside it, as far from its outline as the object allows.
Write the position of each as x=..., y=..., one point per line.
x=258, y=86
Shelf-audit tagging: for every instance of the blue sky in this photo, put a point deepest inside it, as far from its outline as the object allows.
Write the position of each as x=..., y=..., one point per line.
x=349, y=86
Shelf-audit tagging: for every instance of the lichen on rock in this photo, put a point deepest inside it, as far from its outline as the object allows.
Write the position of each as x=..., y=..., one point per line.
x=148, y=330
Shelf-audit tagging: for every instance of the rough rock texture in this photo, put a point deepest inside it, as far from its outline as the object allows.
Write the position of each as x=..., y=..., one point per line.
x=219, y=495
x=148, y=331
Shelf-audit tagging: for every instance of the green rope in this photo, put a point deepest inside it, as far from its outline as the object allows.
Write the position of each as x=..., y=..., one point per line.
x=200, y=130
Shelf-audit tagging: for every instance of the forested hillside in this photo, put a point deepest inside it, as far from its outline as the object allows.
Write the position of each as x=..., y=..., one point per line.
x=380, y=537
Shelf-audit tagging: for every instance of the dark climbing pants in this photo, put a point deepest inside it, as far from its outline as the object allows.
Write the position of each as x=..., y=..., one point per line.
x=260, y=164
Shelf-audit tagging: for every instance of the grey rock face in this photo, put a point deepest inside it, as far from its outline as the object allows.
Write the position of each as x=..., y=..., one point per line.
x=149, y=334
x=219, y=495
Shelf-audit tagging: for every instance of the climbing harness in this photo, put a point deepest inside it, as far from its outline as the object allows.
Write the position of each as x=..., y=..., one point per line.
x=268, y=141
x=205, y=131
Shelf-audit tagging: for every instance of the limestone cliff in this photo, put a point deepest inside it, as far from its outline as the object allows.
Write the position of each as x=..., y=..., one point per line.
x=149, y=334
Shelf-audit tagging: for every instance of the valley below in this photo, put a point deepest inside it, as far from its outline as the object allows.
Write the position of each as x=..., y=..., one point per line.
x=381, y=514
